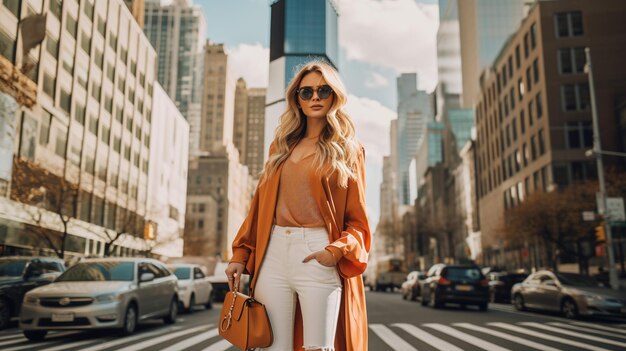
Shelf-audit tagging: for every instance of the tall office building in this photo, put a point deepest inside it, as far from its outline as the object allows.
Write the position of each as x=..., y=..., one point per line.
x=300, y=31
x=248, y=130
x=240, y=125
x=91, y=123
x=216, y=126
x=137, y=8
x=415, y=110
x=177, y=32
x=449, y=47
x=484, y=26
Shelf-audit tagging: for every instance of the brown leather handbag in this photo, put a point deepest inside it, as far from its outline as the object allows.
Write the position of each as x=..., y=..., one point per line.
x=244, y=322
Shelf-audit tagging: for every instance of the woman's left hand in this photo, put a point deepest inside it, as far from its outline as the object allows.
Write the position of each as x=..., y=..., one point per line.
x=324, y=257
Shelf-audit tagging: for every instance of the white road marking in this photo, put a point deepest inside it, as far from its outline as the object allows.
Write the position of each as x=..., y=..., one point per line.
x=160, y=339
x=465, y=337
x=219, y=346
x=547, y=336
x=589, y=330
x=427, y=337
x=574, y=334
x=128, y=339
x=185, y=344
x=600, y=326
x=390, y=338
x=505, y=336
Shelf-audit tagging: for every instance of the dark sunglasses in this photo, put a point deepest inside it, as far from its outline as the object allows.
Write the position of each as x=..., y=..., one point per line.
x=306, y=93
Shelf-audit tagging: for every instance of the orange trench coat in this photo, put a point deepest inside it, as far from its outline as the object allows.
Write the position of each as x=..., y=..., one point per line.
x=344, y=212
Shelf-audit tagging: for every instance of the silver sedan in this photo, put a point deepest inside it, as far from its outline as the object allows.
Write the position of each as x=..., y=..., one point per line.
x=571, y=294
x=102, y=293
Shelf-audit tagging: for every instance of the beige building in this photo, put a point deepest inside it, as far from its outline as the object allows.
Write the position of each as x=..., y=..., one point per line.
x=240, y=125
x=216, y=126
x=95, y=74
x=533, y=117
x=137, y=8
x=248, y=129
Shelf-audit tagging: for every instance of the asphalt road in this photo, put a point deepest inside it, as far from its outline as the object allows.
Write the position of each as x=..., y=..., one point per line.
x=394, y=324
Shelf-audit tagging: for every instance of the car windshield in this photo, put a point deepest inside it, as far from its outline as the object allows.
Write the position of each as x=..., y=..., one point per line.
x=99, y=271
x=12, y=267
x=463, y=273
x=182, y=273
x=577, y=280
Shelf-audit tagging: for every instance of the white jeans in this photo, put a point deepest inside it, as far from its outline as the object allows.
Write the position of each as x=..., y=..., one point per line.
x=283, y=277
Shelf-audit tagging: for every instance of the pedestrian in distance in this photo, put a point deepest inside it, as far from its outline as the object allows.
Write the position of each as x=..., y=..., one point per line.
x=306, y=238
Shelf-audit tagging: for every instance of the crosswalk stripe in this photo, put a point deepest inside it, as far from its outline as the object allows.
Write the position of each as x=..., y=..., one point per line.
x=65, y=346
x=426, y=337
x=219, y=346
x=589, y=330
x=160, y=339
x=128, y=339
x=390, y=338
x=572, y=333
x=12, y=336
x=185, y=344
x=546, y=336
x=600, y=326
x=465, y=337
x=505, y=336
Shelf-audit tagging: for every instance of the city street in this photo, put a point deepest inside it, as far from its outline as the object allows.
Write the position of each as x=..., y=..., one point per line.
x=395, y=324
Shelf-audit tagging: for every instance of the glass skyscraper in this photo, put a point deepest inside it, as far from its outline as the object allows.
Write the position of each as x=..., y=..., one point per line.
x=300, y=31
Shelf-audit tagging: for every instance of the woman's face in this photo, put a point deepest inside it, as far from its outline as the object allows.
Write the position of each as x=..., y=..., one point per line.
x=315, y=107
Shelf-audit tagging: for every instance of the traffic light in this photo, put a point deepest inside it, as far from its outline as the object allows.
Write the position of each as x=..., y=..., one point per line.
x=600, y=234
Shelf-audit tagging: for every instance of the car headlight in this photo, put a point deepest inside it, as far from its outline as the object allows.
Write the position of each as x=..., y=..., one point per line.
x=106, y=298
x=31, y=300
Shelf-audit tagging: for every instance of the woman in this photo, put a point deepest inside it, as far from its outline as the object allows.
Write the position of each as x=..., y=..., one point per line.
x=306, y=238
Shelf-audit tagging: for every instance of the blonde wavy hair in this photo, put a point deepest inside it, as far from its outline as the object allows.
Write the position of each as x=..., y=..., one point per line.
x=337, y=148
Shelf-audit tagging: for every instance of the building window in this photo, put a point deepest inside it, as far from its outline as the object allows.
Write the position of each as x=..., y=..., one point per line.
x=79, y=113
x=568, y=24
x=520, y=89
x=44, y=132
x=517, y=57
x=539, y=104
x=533, y=35
x=55, y=8
x=52, y=45
x=89, y=9
x=13, y=6
x=536, y=70
x=66, y=101
x=85, y=42
x=542, y=146
x=49, y=84
x=571, y=60
x=531, y=112
x=529, y=80
x=514, y=129
x=93, y=125
x=526, y=45
x=533, y=148
x=61, y=142
x=71, y=25
x=522, y=121
x=579, y=135
x=575, y=97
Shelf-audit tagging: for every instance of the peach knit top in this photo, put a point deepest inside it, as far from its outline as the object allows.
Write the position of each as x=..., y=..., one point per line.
x=295, y=206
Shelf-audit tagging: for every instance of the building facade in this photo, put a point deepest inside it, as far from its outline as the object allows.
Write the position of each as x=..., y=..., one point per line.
x=90, y=128
x=534, y=115
x=254, y=156
x=299, y=32
x=177, y=32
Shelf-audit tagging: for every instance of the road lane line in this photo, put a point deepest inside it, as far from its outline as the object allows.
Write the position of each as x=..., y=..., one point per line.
x=160, y=339
x=573, y=333
x=427, y=337
x=65, y=346
x=601, y=327
x=12, y=336
x=128, y=339
x=465, y=337
x=505, y=336
x=185, y=344
x=546, y=336
x=219, y=346
x=390, y=338
x=589, y=330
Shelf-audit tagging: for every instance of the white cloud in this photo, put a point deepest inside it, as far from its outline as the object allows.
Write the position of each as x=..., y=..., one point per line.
x=372, y=120
x=400, y=34
x=376, y=80
x=250, y=61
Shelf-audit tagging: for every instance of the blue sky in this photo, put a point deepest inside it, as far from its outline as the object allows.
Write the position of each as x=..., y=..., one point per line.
x=378, y=39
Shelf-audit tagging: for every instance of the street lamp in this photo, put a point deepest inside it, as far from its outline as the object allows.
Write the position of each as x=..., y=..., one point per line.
x=597, y=151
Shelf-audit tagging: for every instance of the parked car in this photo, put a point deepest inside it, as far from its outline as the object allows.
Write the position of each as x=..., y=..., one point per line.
x=462, y=284
x=102, y=293
x=411, y=287
x=500, y=284
x=571, y=294
x=193, y=286
x=20, y=274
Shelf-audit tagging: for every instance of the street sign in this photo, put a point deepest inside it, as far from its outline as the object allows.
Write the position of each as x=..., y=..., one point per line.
x=589, y=216
x=615, y=208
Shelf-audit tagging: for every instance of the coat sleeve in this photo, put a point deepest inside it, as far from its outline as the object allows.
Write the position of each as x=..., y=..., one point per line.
x=354, y=243
x=244, y=244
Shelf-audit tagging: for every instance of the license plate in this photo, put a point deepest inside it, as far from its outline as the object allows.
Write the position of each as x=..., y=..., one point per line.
x=464, y=287
x=62, y=317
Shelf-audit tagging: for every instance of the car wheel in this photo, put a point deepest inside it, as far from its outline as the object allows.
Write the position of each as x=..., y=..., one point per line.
x=483, y=306
x=130, y=320
x=192, y=302
x=518, y=301
x=35, y=335
x=569, y=309
x=209, y=304
x=5, y=314
x=171, y=316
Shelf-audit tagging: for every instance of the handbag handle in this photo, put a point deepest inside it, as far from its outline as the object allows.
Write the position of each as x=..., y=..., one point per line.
x=228, y=317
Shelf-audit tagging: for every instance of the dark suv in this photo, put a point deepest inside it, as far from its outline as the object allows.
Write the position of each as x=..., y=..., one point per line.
x=20, y=274
x=462, y=284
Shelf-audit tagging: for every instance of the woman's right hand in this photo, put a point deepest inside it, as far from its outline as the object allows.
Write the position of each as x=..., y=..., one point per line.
x=233, y=273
